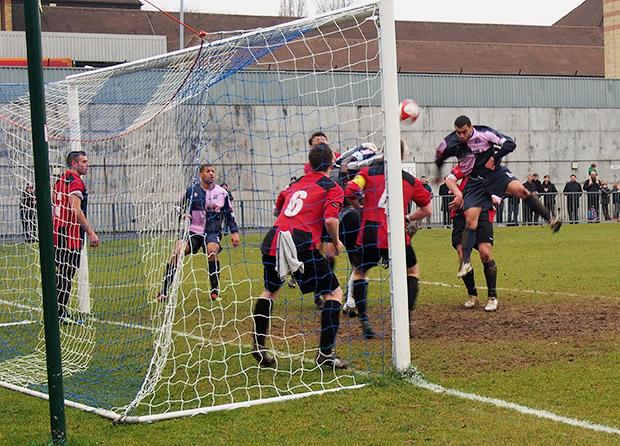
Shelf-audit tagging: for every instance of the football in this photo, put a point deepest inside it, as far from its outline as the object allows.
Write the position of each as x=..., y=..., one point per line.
x=409, y=111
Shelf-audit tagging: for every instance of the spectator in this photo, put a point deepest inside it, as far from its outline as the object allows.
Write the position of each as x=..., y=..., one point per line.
x=528, y=212
x=27, y=214
x=427, y=186
x=605, y=194
x=592, y=186
x=615, y=199
x=446, y=198
x=572, y=190
x=591, y=168
x=549, y=190
x=230, y=195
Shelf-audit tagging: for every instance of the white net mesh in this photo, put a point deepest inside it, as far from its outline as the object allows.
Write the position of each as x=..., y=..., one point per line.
x=246, y=104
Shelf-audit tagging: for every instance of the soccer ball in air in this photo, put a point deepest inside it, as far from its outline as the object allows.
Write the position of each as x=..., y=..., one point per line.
x=409, y=111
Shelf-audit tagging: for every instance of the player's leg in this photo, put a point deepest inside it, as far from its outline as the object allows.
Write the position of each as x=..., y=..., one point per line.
x=490, y=274
x=213, y=248
x=366, y=257
x=469, y=239
x=171, y=267
x=517, y=189
x=318, y=272
x=468, y=279
x=262, y=312
x=349, y=228
x=413, y=274
x=67, y=263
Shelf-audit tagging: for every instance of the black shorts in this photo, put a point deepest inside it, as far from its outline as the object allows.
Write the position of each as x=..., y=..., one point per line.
x=484, y=233
x=200, y=241
x=349, y=227
x=477, y=192
x=317, y=277
x=365, y=257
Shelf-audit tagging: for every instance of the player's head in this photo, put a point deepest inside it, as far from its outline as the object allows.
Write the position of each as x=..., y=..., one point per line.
x=573, y=178
x=317, y=138
x=293, y=180
x=547, y=178
x=535, y=176
x=207, y=173
x=463, y=128
x=321, y=158
x=593, y=174
x=78, y=161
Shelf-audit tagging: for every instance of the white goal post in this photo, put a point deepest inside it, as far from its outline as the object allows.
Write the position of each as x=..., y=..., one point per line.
x=246, y=104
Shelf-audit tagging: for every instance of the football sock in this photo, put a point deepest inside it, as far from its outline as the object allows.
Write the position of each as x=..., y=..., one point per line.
x=168, y=276
x=470, y=283
x=469, y=240
x=412, y=291
x=350, y=299
x=490, y=273
x=359, y=295
x=214, y=275
x=262, y=312
x=537, y=206
x=330, y=321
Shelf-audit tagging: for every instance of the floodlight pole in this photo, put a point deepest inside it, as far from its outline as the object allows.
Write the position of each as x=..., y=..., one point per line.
x=181, y=30
x=44, y=212
x=401, y=353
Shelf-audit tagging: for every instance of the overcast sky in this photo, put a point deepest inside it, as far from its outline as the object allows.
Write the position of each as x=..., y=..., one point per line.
x=523, y=12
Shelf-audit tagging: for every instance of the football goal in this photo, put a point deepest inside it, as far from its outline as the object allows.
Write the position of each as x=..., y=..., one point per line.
x=246, y=104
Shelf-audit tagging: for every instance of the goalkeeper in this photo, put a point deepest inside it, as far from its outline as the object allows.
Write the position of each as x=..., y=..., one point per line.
x=372, y=239
x=208, y=206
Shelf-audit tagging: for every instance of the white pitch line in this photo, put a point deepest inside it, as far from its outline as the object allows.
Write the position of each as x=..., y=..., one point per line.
x=419, y=382
x=10, y=324
x=514, y=290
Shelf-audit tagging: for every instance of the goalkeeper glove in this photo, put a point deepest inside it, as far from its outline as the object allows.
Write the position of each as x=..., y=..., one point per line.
x=412, y=227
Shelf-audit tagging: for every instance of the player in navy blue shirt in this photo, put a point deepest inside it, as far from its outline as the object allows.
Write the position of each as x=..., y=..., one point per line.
x=479, y=151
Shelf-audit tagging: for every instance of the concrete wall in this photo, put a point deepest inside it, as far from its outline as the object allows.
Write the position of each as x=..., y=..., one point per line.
x=549, y=140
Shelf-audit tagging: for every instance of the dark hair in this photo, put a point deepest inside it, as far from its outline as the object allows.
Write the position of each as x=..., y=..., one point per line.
x=462, y=121
x=73, y=156
x=203, y=167
x=314, y=135
x=293, y=180
x=320, y=157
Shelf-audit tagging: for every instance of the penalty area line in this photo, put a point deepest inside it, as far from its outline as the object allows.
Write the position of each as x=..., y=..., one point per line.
x=419, y=382
x=514, y=290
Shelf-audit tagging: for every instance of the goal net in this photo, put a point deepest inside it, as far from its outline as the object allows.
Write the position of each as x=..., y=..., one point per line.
x=246, y=104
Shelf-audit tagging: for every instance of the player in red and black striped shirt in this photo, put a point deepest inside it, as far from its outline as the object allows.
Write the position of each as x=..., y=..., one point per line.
x=69, y=199
x=372, y=239
x=310, y=204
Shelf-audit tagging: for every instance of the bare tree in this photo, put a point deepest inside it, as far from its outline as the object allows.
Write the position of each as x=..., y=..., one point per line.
x=293, y=8
x=322, y=6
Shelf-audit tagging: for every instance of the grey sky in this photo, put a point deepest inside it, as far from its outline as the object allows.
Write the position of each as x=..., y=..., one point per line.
x=526, y=12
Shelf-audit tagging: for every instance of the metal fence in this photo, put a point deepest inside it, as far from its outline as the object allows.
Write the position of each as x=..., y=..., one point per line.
x=125, y=218
x=575, y=207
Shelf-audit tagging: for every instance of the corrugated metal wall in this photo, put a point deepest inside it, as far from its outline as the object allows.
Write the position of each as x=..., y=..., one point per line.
x=86, y=46
x=429, y=90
